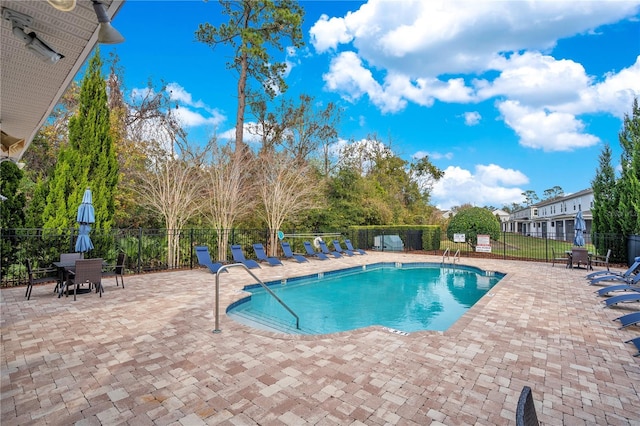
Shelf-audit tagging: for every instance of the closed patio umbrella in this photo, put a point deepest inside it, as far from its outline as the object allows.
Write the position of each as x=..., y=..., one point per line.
x=579, y=226
x=85, y=217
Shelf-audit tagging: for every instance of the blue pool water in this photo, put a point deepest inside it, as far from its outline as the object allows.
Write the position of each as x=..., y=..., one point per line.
x=409, y=298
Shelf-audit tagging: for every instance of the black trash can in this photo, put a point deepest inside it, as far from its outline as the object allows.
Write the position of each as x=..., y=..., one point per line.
x=633, y=248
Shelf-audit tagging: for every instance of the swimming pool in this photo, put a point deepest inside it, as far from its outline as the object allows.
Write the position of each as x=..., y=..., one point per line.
x=401, y=297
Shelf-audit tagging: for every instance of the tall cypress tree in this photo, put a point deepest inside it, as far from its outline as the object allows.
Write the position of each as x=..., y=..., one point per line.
x=87, y=161
x=629, y=182
x=605, y=201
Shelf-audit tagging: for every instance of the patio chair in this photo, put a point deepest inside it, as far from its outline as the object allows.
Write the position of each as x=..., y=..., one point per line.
x=339, y=249
x=326, y=251
x=70, y=257
x=116, y=270
x=204, y=259
x=289, y=254
x=601, y=260
x=350, y=247
x=238, y=256
x=40, y=276
x=526, y=409
x=311, y=252
x=580, y=256
x=555, y=258
x=629, y=319
x=86, y=271
x=258, y=248
x=636, y=342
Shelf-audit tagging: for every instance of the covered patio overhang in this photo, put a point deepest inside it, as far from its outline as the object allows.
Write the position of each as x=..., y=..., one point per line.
x=32, y=78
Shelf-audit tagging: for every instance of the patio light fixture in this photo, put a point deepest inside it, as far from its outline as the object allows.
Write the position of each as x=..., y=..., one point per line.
x=63, y=5
x=107, y=34
x=20, y=21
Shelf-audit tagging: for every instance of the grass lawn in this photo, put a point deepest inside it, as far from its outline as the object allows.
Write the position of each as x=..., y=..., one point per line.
x=518, y=246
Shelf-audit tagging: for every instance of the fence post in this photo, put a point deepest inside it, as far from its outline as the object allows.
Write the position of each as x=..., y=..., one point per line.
x=546, y=249
x=191, y=248
x=504, y=245
x=139, y=249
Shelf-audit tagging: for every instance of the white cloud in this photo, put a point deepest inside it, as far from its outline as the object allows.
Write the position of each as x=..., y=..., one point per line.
x=178, y=94
x=415, y=51
x=536, y=79
x=407, y=35
x=189, y=118
x=493, y=175
x=350, y=77
x=613, y=95
x=549, y=131
x=189, y=113
x=472, y=118
x=489, y=185
x=327, y=33
x=433, y=155
x=249, y=134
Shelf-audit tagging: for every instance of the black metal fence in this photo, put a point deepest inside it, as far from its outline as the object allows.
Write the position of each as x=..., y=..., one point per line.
x=147, y=250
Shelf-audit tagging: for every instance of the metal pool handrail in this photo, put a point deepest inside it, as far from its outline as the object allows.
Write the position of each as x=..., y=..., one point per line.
x=445, y=255
x=217, y=306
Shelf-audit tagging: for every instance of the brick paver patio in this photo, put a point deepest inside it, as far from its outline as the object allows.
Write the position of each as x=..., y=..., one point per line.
x=146, y=354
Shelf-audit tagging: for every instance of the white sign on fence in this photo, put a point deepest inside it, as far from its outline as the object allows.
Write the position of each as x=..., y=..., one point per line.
x=484, y=243
x=458, y=238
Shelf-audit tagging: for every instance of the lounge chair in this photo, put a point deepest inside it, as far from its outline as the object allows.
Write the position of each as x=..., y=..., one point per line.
x=204, y=259
x=262, y=256
x=350, y=247
x=339, y=249
x=326, y=251
x=629, y=319
x=633, y=296
x=526, y=409
x=636, y=342
x=311, y=252
x=634, y=285
x=238, y=256
x=603, y=275
x=289, y=254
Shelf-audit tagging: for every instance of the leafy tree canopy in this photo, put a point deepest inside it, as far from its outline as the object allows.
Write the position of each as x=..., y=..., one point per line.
x=473, y=221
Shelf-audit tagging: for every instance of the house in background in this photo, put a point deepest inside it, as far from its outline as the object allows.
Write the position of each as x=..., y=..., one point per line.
x=503, y=218
x=554, y=218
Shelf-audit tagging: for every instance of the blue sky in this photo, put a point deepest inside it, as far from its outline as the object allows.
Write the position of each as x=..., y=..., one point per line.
x=504, y=96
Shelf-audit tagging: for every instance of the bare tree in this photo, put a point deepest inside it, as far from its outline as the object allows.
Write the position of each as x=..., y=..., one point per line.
x=301, y=127
x=287, y=188
x=172, y=186
x=227, y=193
